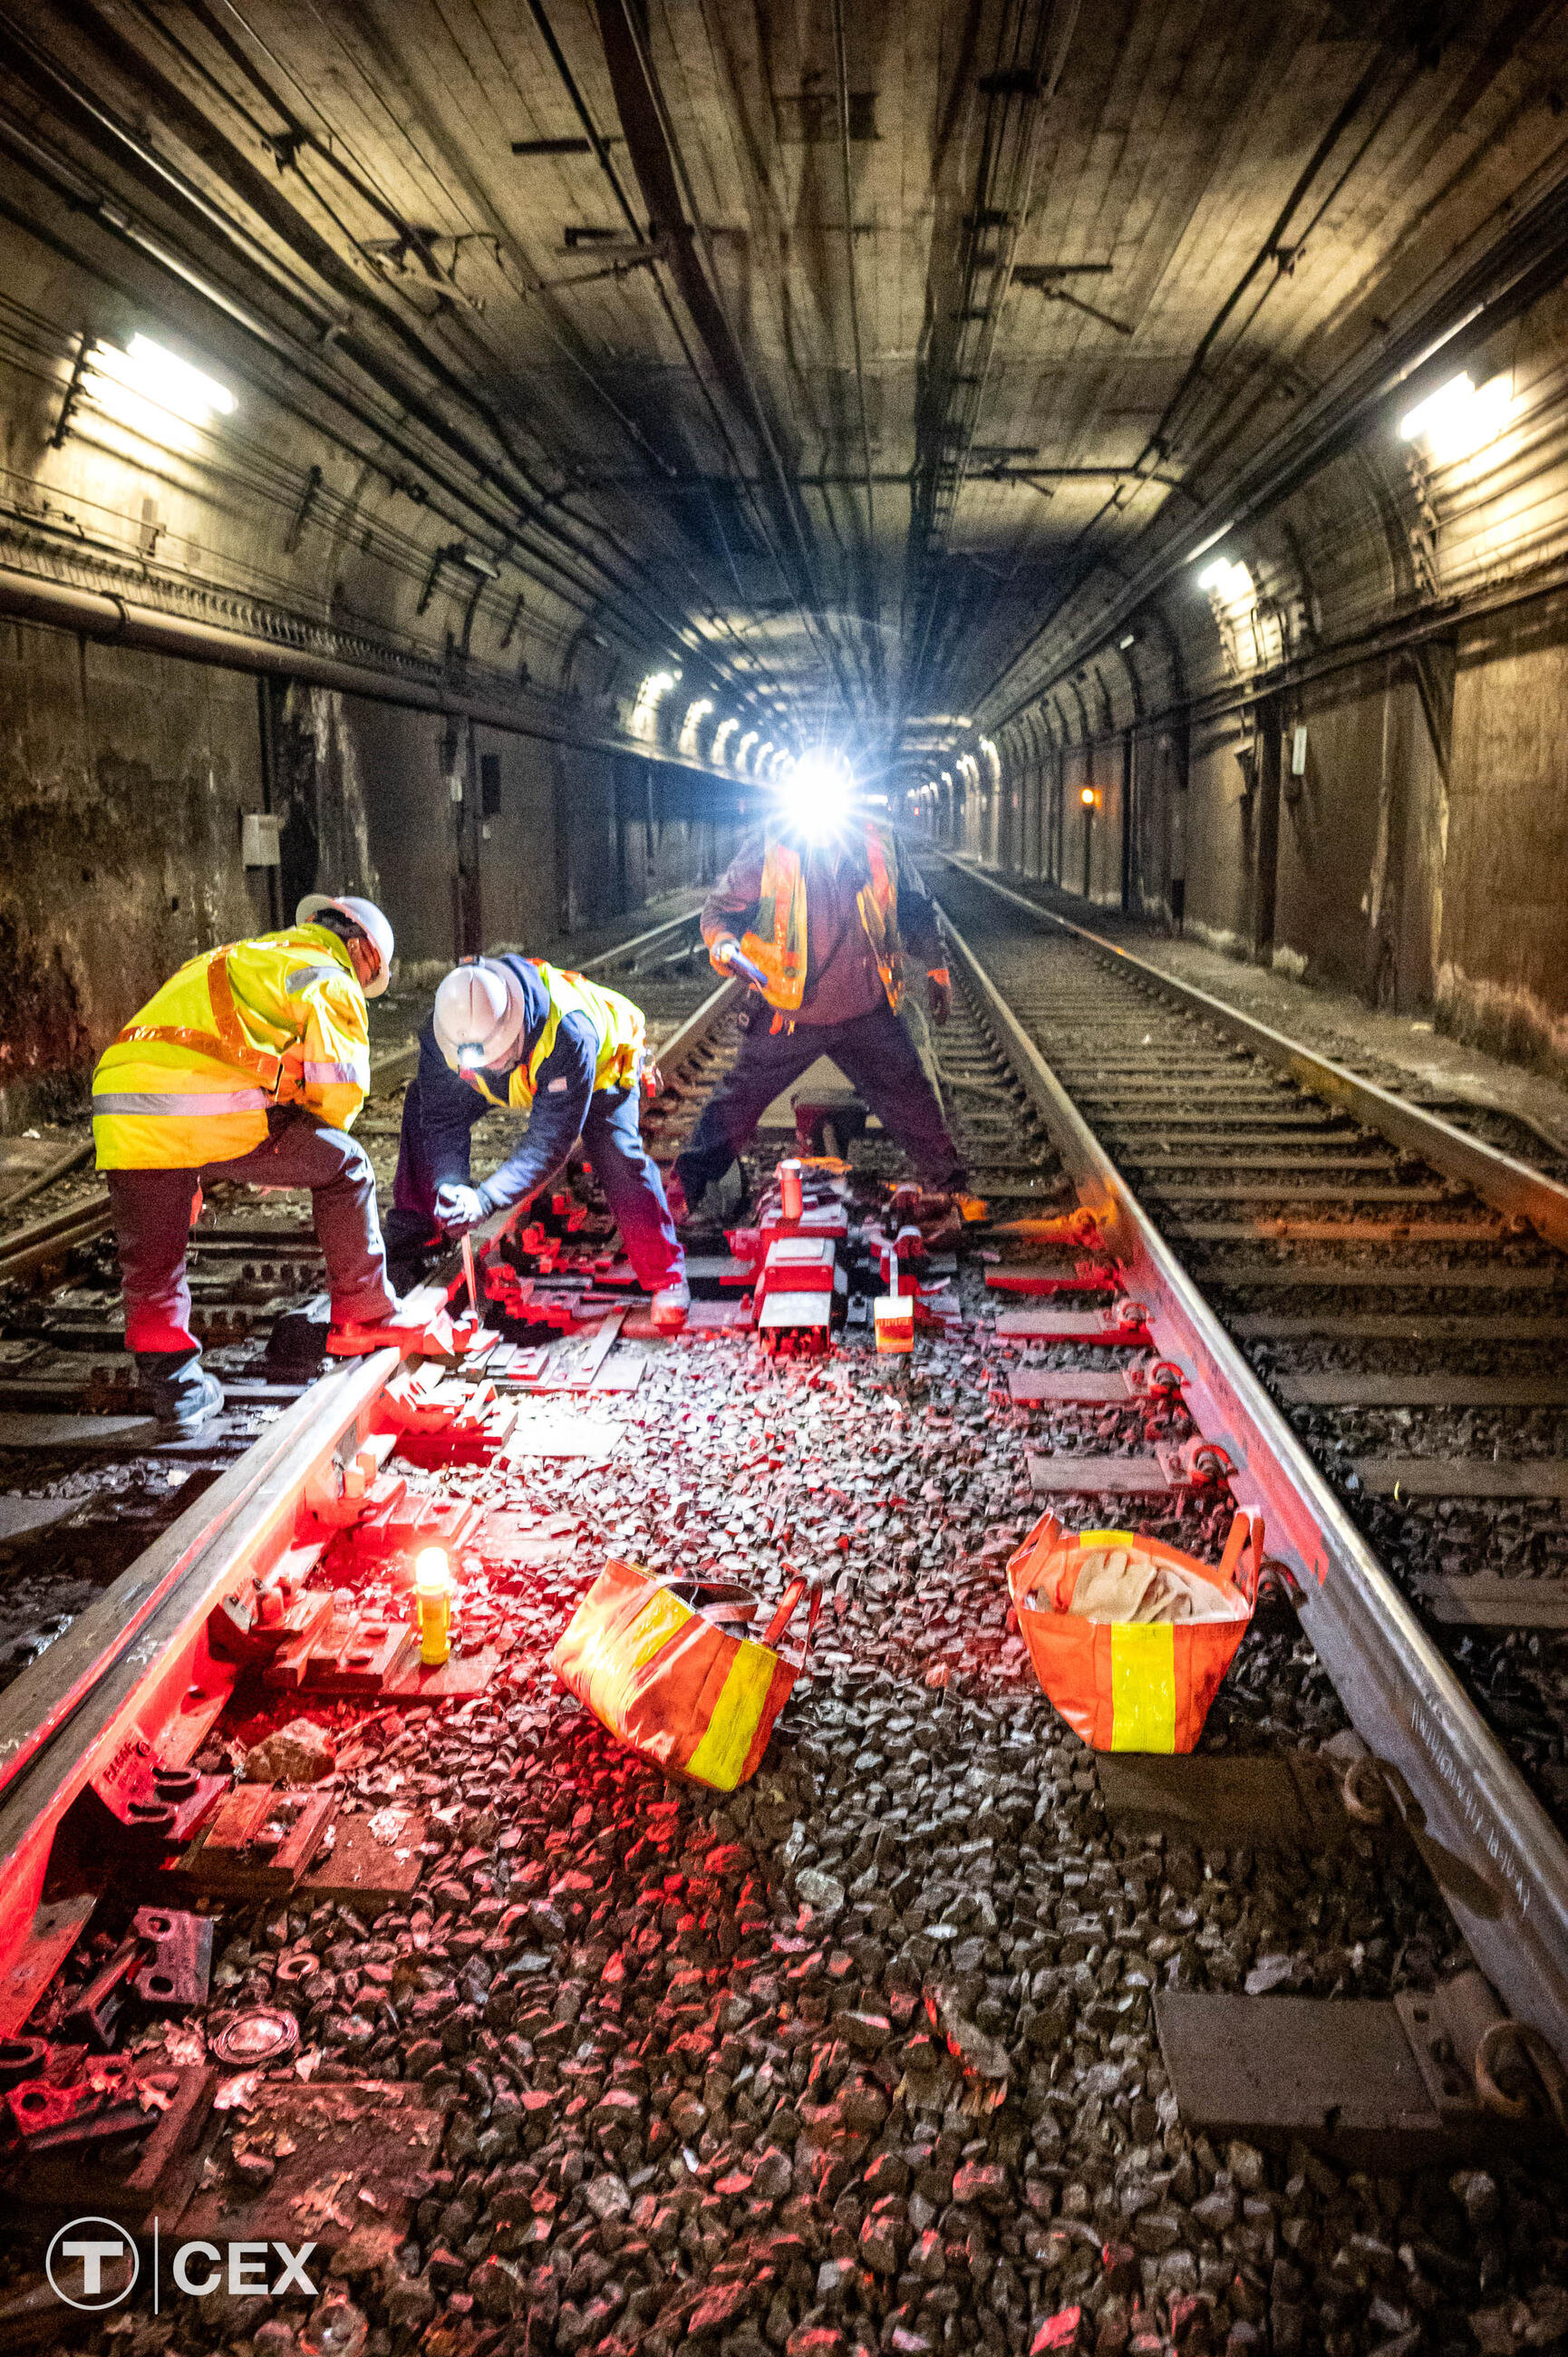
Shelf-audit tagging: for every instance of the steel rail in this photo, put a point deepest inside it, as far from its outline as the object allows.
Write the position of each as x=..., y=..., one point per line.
x=1510, y=1186
x=639, y=943
x=43, y=1242
x=127, y=1664
x=137, y=1655
x=1500, y=1863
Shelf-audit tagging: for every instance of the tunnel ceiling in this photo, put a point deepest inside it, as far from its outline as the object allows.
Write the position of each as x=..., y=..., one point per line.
x=878, y=349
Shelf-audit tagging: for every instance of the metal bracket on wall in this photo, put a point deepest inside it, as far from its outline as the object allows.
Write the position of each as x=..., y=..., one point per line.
x=302, y=513
x=72, y=390
x=451, y=554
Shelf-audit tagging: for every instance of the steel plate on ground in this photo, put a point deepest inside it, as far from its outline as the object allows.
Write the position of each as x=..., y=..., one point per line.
x=1278, y=1801
x=1131, y=1477
x=1339, y=2072
x=1066, y=1387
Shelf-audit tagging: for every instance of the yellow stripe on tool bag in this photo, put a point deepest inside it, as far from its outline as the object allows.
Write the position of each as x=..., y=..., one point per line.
x=658, y=1666
x=737, y=1716
x=1143, y=1686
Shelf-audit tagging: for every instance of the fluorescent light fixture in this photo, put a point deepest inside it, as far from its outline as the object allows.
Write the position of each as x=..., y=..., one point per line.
x=147, y=378
x=722, y=734
x=750, y=738
x=1231, y=583
x=645, y=711
x=1457, y=420
x=697, y=711
x=161, y=378
x=1130, y=640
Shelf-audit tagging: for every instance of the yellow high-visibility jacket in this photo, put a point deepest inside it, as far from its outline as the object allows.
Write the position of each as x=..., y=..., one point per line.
x=620, y=1027
x=277, y=1020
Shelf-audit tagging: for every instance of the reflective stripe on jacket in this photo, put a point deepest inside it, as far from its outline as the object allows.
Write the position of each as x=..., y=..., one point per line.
x=277, y=1020
x=779, y=946
x=617, y=1024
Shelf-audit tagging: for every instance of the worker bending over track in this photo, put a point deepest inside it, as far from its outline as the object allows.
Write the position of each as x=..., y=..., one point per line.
x=250, y=1065
x=514, y=1031
x=830, y=911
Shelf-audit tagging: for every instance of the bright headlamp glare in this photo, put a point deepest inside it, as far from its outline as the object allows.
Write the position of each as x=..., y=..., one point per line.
x=815, y=796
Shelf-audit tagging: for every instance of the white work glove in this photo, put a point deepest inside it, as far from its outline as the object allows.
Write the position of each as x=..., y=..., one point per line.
x=459, y=1209
x=727, y=952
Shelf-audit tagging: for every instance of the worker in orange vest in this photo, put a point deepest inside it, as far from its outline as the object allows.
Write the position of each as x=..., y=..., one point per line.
x=820, y=915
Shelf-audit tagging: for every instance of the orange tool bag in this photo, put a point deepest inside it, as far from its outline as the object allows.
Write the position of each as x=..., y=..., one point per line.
x=669, y=1667
x=1129, y=1685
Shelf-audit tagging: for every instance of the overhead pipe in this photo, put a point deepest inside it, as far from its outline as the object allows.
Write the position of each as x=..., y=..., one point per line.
x=347, y=338
x=120, y=621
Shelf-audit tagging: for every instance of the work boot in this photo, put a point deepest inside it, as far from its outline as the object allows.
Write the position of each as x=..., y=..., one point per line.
x=675, y=1196
x=178, y=1391
x=669, y=1305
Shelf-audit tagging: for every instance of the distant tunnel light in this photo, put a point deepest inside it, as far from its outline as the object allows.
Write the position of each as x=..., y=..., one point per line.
x=1456, y=420
x=722, y=735
x=1088, y=797
x=697, y=713
x=161, y=378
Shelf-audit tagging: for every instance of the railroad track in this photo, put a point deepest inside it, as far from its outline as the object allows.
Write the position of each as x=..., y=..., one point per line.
x=78, y=1465
x=727, y=1983
x=1370, y=1322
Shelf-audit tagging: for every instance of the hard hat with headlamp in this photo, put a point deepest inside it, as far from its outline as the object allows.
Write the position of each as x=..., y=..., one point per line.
x=480, y=1017
x=371, y=923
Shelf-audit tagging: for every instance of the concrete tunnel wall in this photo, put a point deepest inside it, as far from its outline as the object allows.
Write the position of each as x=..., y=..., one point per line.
x=125, y=782
x=125, y=774
x=1410, y=614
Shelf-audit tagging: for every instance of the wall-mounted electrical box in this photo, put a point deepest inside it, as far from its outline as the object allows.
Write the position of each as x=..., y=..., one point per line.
x=259, y=840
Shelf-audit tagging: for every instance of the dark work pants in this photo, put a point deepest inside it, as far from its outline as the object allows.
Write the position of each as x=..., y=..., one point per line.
x=151, y=1211
x=876, y=1055
x=612, y=1139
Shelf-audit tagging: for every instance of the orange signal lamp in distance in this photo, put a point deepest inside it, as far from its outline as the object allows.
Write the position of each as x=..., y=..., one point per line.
x=1088, y=797
x=433, y=1606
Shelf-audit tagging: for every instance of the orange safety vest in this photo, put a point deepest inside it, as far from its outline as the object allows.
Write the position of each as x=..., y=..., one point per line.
x=620, y=1027
x=779, y=946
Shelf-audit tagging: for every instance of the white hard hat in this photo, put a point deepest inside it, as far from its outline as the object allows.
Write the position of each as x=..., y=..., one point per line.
x=370, y=922
x=481, y=1016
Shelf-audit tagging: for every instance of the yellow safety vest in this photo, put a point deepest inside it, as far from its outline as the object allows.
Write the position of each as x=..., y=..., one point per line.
x=618, y=1025
x=779, y=946
x=277, y=1020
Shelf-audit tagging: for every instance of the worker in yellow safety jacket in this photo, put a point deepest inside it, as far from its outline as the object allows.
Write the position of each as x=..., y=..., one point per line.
x=518, y=1032
x=250, y=1064
x=821, y=914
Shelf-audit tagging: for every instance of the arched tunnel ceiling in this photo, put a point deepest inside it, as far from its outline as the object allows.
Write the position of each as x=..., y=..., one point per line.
x=874, y=353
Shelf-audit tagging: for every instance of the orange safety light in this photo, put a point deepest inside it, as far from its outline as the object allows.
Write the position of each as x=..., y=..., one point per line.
x=433, y=1605
x=1089, y=798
